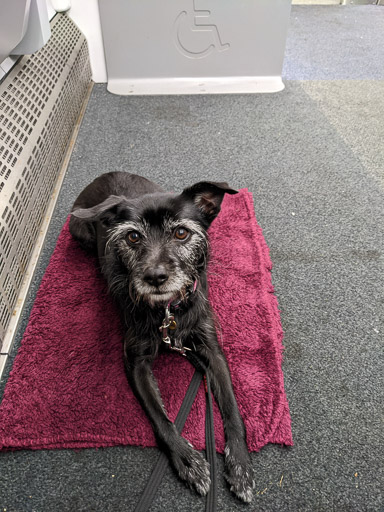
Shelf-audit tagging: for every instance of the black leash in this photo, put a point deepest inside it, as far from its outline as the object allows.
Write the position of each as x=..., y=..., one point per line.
x=210, y=446
x=162, y=462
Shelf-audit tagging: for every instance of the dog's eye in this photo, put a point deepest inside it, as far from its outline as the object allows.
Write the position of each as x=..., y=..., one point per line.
x=181, y=233
x=133, y=237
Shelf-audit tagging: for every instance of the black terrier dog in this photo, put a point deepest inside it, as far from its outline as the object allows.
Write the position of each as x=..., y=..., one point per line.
x=153, y=250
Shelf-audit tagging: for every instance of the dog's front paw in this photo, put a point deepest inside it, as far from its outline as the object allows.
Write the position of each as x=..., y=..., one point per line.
x=239, y=475
x=191, y=467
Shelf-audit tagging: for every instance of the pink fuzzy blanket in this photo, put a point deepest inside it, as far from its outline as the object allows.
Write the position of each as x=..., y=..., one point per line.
x=68, y=389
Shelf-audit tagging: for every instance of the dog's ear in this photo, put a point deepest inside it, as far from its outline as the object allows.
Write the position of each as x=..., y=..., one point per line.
x=208, y=196
x=104, y=211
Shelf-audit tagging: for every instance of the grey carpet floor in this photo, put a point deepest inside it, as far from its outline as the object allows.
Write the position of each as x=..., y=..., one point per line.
x=313, y=156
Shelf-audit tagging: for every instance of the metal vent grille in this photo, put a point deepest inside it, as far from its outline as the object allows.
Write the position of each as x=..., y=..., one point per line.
x=40, y=101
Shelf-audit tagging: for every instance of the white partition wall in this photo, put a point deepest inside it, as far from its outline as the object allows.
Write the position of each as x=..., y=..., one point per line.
x=194, y=46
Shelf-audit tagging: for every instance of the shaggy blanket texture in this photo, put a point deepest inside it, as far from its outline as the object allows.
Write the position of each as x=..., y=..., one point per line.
x=68, y=388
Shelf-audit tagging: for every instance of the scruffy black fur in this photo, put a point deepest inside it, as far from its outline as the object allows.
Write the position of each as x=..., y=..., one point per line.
x=152, y=246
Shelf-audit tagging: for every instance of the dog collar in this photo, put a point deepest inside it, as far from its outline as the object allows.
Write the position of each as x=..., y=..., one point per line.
x=169, y=323
x=176, y=304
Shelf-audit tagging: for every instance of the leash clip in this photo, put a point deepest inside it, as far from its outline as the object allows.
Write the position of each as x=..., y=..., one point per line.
x=180, y=350
x=169, y=323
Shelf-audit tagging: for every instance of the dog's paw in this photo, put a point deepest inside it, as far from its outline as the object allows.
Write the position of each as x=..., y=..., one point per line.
x=239, y=475
x=191, y=467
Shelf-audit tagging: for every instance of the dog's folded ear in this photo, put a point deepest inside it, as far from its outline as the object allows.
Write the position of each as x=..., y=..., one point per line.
x=208, y=196
x=103, y=211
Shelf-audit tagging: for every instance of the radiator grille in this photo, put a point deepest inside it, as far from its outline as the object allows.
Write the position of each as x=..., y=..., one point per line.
x=40, y=101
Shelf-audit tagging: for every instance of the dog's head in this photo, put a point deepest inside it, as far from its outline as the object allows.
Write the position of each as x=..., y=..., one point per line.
x=160, y=240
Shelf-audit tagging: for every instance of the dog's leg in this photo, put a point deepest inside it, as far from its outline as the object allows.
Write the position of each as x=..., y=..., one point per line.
x=189, y=464
x=238, y=467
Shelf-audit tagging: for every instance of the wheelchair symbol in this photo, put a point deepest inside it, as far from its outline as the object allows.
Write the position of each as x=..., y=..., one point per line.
x=195, y=36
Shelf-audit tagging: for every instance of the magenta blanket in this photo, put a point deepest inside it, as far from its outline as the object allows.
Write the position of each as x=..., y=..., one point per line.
x=68, y=389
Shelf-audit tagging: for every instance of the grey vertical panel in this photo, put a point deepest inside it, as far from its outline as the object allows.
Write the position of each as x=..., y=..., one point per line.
x=40, y=101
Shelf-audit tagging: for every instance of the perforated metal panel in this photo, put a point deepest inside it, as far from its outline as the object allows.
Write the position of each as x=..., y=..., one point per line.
x=40, y=101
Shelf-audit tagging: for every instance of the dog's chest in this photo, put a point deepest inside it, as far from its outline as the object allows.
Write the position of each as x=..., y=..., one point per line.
x=168, y=327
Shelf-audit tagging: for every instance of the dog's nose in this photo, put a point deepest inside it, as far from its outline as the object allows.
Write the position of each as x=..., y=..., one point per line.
x=156, y=276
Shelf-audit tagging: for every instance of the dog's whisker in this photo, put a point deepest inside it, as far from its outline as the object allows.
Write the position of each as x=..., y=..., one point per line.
x=212, y=273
